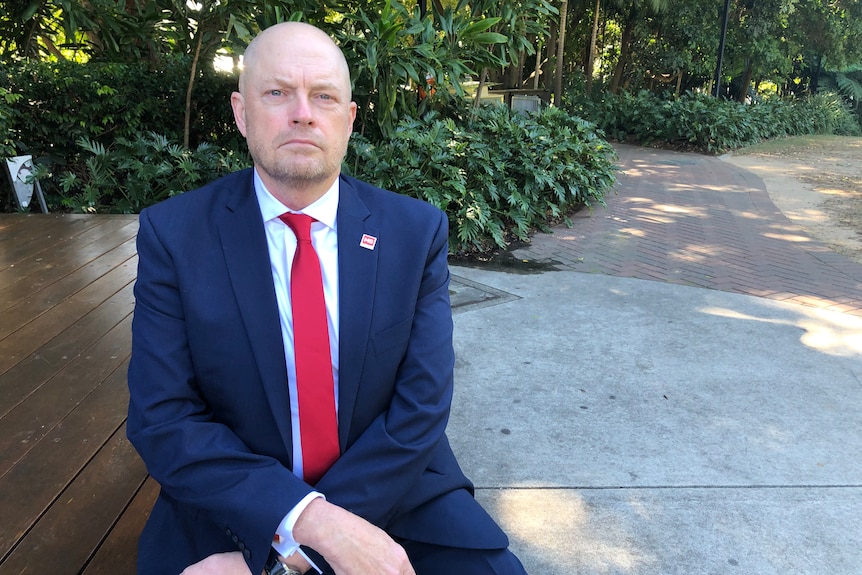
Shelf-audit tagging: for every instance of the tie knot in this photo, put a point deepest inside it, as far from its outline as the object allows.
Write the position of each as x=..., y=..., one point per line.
x=300, y=224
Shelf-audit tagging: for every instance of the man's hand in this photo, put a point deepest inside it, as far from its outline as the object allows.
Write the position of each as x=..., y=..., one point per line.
x=219, y=564
x=233, y=564
x=351, y=545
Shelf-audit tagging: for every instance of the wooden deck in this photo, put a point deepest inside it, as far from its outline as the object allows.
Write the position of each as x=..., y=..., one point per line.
x=73, y=493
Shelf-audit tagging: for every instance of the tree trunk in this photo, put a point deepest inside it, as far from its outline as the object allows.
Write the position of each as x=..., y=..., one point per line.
x=548, y=71
x=625, y=53
x=746, y=81
x=519, y=76
x=591, y=54
x=815, y=77
x=537, y=71
x=477, y=100
x=188, y=118
x=561, y=45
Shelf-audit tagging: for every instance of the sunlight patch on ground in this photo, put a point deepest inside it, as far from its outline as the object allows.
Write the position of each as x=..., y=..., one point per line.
x=638, y=233
x=836, y=192
x=827, y=331
x=769, y=168
x=679, y=210
x=688, y=255
x=639, y=200
x=655, y=217
x=669, y=214
x=700, y=188
x=789, y=237
x=537, y=517
x=749, y=215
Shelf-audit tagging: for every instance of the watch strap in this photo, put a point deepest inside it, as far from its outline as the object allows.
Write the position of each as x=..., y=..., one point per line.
x=276, y=567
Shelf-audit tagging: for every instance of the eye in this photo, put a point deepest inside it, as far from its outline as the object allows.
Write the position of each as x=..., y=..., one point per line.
x=275, y=92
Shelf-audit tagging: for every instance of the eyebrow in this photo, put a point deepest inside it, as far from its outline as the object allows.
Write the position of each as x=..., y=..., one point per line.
x=317, y=83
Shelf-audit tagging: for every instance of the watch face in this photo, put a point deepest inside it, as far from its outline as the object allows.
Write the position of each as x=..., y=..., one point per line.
x=281, y=569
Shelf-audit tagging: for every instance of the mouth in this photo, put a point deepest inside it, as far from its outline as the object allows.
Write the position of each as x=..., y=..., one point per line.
x=301, y=142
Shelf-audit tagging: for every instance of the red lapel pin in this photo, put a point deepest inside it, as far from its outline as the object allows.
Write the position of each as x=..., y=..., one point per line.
x=368, y=242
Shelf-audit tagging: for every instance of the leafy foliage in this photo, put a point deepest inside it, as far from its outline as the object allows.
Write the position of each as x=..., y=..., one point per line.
x=497, y=174
x=50, y=106
x=697, y=121
x=7, y=114
x=135, y=173
x=394, y=52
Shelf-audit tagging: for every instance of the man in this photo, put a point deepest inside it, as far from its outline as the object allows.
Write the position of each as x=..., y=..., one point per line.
x=218, y=375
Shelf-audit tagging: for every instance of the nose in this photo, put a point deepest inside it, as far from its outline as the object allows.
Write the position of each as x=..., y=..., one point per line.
x=300, y=112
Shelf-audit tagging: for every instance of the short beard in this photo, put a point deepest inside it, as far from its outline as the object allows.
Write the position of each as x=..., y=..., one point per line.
x=299, y=176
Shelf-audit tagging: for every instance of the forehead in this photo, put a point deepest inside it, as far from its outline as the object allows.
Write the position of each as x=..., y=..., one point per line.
x=298, y=70
x=297, y=57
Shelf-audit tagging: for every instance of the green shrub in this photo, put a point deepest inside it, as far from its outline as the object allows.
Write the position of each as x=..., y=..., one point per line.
x=831, y=115
x=135, y=173
x=7, y=133
x=495, y=173
x=707, y=124
x=59, y=104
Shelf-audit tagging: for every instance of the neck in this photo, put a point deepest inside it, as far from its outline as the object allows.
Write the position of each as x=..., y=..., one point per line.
x=297, y=193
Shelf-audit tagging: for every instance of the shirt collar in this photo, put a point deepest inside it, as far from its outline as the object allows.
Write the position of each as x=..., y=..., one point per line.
x=324, y=210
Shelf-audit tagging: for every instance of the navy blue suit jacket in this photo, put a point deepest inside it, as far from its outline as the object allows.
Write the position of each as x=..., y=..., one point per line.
x=209, y=409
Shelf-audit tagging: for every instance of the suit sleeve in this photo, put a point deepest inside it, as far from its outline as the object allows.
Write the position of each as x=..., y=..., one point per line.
x=377, y=472
x=196, y=458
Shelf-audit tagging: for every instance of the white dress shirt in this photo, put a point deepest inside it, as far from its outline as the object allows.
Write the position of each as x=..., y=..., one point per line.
x=282, y=245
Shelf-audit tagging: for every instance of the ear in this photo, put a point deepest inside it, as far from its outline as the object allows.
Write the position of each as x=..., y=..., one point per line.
x=352, y=117
x=237, y=102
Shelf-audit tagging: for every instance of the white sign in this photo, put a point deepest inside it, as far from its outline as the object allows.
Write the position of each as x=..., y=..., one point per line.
x=20, y=168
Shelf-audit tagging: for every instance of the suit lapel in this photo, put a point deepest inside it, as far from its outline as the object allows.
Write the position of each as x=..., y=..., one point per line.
x=357, y=273
x=247, y=257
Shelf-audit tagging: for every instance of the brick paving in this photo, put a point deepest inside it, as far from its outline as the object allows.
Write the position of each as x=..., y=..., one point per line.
x=697, y=220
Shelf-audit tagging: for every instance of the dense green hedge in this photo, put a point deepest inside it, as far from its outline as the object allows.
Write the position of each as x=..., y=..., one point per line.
x=131, y=174
x=105, y=137
x=496, y=173
x=56, y=104
x=712, y=125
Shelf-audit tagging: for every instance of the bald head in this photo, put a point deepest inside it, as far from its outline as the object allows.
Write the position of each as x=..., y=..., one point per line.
x=294, y=108
x=292, y=40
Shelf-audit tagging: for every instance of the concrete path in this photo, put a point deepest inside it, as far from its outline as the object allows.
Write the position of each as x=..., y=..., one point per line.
x=616, y=425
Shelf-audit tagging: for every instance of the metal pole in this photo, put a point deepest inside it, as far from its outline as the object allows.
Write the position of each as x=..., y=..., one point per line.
x=717, y=81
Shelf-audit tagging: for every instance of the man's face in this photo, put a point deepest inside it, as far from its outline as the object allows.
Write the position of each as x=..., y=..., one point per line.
x=294, y=108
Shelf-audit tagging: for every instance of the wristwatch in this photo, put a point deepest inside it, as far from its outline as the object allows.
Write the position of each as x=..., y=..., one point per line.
x=276, y=567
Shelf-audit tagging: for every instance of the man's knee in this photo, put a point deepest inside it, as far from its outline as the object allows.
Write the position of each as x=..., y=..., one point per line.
x=433, y=559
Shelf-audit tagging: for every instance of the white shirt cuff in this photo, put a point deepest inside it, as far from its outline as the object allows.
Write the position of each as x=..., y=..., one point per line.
x=283, y=542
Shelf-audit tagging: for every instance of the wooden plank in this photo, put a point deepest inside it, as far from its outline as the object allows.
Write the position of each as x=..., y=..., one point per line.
x=30, y=309
x=74, y=495
x=119, y=552
x=70, y=345
x=48, y=230
x=23, y=427
x=34, y=482
x=38, y=271
x=61, y=305
x=70, y=532
x=9, y=224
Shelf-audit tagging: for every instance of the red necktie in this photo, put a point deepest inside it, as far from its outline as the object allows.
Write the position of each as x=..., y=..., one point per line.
x=315, y=390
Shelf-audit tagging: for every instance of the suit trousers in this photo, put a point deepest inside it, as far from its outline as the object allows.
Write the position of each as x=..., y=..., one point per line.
x=428, y=559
